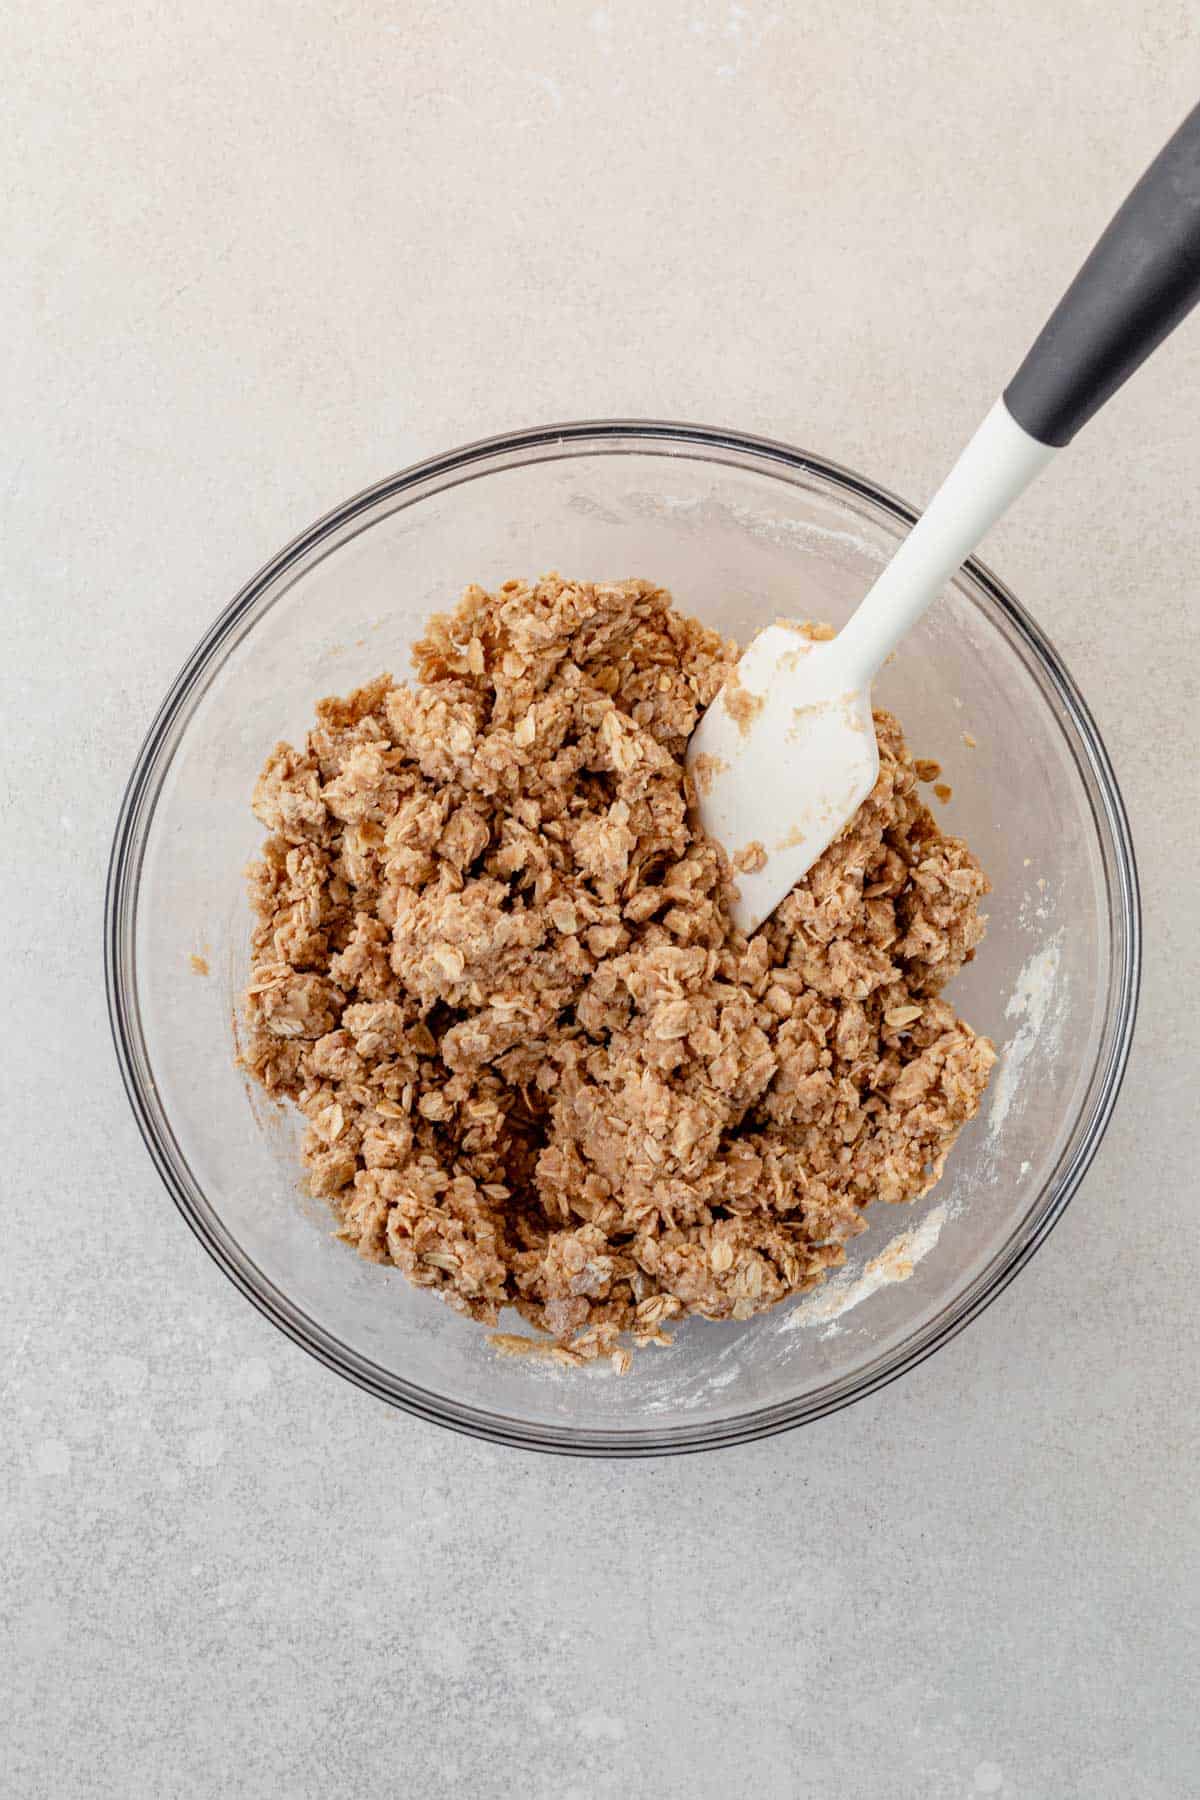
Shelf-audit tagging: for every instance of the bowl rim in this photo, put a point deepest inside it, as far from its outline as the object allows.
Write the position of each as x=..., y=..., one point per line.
x=138, y=803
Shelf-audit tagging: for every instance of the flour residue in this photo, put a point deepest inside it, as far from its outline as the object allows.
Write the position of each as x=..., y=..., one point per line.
x=674, y=1388
x=1034, y=1005
x=840, y=1294
x=694, y=509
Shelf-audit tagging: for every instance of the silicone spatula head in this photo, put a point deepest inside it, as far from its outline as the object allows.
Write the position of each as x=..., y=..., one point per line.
x=783, y=757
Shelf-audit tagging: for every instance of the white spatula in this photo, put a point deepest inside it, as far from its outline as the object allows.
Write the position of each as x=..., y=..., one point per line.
x=786, y=753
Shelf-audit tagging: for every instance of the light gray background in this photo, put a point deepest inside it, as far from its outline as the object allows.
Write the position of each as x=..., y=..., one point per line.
x=257, y=255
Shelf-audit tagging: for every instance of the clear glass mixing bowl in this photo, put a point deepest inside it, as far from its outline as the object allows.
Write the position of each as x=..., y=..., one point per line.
x=742, y=531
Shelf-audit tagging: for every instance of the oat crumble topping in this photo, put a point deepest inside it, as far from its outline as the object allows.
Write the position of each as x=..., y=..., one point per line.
x=494, y=968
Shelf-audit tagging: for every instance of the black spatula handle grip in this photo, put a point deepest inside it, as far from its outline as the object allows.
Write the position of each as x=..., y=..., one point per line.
x=1138, y=283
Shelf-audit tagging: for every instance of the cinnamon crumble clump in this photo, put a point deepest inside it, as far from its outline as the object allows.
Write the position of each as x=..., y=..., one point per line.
x=495, y=969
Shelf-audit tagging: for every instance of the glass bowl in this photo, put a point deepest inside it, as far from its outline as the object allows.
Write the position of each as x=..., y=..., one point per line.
x=742, y=531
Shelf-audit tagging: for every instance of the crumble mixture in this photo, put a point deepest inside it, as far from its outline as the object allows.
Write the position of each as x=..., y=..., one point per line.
x=494, y=968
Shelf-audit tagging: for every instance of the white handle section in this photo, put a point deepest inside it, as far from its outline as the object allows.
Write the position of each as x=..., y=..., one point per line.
x=995, y=468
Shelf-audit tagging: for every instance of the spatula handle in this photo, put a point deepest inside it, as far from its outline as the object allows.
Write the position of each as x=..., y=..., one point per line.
x=1138, y=283
x=1135, y=287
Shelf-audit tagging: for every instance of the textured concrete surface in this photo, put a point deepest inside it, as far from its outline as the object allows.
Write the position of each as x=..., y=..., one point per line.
x=256, y=256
